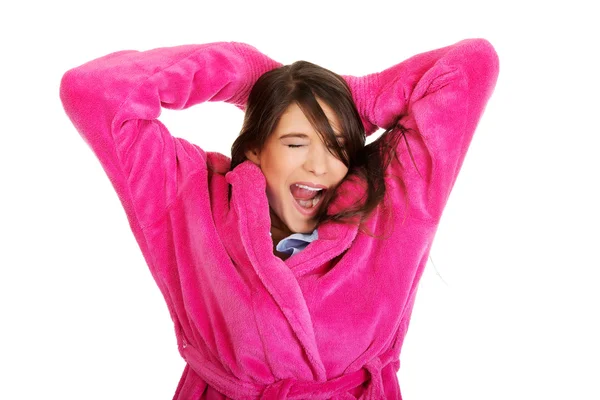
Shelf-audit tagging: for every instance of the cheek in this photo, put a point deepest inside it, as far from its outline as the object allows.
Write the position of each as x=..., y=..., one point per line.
x=281, y=159
x=276, y=177
x=278, y=169
x=340, y=170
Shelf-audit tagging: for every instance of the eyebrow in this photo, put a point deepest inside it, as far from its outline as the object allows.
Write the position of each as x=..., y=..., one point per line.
x=304, y=135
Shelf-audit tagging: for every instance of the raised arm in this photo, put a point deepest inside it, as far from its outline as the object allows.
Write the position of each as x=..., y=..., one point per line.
x=114, y=102
x=441, y=94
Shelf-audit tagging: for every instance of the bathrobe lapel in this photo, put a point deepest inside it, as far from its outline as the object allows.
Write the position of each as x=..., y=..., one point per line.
x=279, y=277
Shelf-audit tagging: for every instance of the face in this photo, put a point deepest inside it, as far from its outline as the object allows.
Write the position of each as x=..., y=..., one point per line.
x=294, y=153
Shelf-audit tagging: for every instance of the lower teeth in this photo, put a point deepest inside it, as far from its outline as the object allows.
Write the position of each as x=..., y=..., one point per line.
x=309, y=203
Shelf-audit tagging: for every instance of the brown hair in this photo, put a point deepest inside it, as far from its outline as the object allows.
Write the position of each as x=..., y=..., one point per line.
x=303, y=82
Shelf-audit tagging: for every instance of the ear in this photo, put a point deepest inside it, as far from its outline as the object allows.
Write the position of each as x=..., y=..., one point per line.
x=253, y=155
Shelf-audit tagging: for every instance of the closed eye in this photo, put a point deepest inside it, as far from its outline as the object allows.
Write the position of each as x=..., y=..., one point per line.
x=295, y=146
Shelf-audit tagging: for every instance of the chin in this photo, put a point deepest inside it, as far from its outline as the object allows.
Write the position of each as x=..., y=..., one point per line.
x=297, y=224
x=306, y=227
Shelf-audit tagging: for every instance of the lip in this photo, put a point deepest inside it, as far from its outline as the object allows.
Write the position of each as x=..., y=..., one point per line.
x=313, y=185
x=302, y=210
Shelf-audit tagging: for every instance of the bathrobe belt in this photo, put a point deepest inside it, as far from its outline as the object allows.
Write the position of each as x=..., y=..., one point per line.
x=291, y=388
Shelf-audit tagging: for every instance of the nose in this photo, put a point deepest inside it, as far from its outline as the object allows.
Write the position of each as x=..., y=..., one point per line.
x=317, y=160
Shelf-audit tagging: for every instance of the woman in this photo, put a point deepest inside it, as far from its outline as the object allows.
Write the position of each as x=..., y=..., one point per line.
x=303, y=130
x=273, y=295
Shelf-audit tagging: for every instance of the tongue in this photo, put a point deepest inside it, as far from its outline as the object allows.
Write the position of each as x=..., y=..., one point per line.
x=303, y=194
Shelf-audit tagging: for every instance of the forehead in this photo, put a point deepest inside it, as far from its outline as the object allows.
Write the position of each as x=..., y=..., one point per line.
x=294, y=124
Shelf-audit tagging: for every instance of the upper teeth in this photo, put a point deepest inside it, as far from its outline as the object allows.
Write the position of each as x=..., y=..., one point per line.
x=308, y=187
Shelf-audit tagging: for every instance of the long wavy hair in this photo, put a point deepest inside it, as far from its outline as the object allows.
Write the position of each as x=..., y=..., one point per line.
x=302, y=83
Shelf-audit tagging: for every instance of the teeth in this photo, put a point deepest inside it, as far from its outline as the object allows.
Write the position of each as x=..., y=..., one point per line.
x=307, y=187
x=310, y=203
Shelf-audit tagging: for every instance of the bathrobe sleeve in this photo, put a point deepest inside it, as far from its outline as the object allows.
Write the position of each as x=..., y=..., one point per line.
x=114, y=102
x=441, y=95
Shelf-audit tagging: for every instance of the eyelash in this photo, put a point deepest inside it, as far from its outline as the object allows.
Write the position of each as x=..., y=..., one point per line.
x=295, y=146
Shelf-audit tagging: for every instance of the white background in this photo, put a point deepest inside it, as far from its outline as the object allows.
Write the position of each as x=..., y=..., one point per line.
x=508, y=305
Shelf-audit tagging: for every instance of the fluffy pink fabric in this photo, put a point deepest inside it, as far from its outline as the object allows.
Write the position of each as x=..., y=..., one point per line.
x=328, y=322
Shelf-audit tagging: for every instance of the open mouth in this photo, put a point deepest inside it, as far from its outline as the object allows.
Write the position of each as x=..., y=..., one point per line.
x=310, y=203
x=307, y=202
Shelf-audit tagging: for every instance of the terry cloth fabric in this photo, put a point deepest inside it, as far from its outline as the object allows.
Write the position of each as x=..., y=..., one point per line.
x=296, y=242
x=329, y=322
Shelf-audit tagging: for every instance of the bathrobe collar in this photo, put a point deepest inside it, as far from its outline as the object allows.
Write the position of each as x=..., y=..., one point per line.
x=250, y=206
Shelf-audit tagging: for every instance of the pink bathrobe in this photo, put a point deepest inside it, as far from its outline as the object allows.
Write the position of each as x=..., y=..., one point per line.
x=329, y=322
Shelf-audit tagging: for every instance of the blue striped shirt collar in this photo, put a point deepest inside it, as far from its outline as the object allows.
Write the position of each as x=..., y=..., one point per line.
x=296, y=242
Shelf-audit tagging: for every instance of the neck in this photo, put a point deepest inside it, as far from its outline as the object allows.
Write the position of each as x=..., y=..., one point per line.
x=278, y=229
